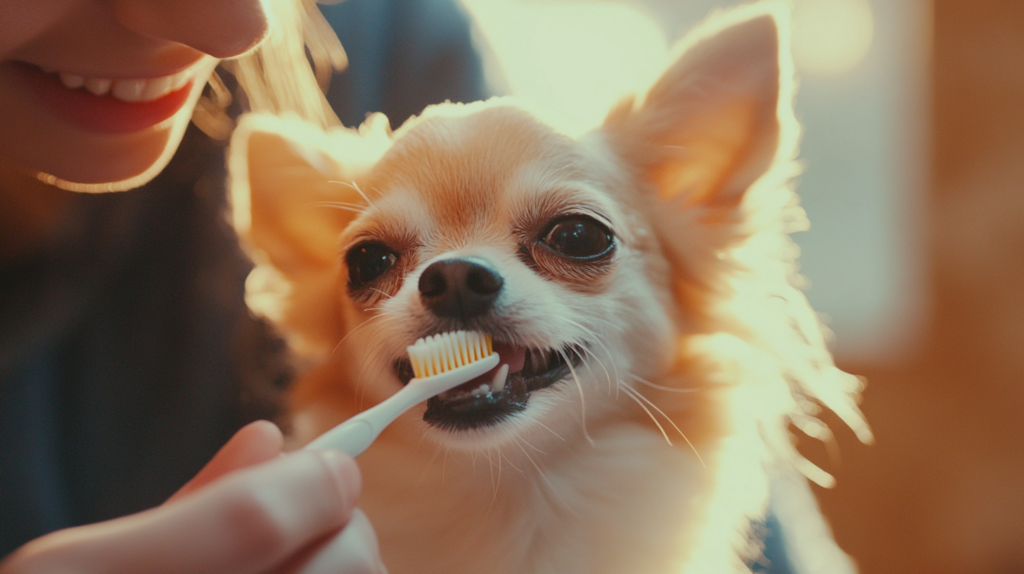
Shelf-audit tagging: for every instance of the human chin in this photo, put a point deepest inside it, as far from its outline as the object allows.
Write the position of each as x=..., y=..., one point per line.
x=81, y=142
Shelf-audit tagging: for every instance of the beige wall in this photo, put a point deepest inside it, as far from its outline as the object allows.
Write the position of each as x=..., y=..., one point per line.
x=942, y=491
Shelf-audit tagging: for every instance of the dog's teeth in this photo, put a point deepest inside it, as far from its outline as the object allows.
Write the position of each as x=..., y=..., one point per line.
x=498, y=384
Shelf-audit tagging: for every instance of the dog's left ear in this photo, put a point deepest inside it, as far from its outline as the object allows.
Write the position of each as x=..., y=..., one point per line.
x=281, y=172
x=713, y=123
x=292, y=197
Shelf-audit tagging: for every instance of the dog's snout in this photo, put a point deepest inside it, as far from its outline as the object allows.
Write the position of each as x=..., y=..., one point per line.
x=459, y=288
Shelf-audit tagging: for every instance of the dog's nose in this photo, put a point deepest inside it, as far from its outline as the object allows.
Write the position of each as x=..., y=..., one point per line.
x=459, y=288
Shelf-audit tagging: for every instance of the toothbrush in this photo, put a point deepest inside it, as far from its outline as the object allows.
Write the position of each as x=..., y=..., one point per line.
x=440, y=363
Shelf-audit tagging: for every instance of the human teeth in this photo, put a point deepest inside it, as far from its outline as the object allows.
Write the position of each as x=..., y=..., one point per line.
x=72, y=80
x=179, y=80
x=143, y=90
x=155, y=88
x=98, y=86
x=128, y=90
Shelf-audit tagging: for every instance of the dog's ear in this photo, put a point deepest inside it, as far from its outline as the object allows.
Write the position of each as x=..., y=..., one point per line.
x=284, y=180
x=712, y=124
x=291, y=200
x=715, y=141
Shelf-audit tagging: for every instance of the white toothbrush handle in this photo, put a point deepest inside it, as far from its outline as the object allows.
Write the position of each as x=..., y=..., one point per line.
x=351, y=437
x=357, y=433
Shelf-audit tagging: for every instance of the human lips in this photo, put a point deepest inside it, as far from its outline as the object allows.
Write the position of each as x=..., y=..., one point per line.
x=108, y=105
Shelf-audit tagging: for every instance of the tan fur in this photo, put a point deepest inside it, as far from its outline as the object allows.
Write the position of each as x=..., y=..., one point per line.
x=660, y=452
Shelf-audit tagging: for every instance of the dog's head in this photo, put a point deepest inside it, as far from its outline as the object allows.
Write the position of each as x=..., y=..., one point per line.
x=597, y=264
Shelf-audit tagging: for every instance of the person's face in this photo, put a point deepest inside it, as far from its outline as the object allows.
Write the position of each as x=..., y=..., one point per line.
x=101, y=91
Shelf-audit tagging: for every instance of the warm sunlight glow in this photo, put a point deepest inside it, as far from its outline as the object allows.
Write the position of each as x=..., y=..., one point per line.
x=573, y=59
x=831, y=36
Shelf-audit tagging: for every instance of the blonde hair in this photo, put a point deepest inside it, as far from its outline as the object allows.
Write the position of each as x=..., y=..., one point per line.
x=287, y=73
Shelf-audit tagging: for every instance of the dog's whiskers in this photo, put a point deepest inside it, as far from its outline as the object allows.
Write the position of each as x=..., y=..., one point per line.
x=380, y=319
x=591, y=335
x=352, y=207
x=495, y=483
x=645, y=382
x=510, y=463
x=444, y=463
x=491, y=467
x=574, y=349
x=636, y=396
x=430, y=463
x=354, y=186
x=372, y=357
x=601, y=364
x=629, y=393
x=534, y=448
x=544, y=477
x=546, y=427
x=583, y=400
x=386, y=295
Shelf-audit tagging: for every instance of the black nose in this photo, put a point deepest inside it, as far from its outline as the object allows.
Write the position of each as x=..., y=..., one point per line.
x=459, y=288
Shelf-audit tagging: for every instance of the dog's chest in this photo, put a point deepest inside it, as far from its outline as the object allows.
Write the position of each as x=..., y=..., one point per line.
x=626, y=504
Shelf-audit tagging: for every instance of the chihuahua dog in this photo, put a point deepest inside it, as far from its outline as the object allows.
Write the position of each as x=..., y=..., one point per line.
x=638, y=281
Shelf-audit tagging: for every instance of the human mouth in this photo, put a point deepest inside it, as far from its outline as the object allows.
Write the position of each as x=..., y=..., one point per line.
x=108, y=105
x=127, y=90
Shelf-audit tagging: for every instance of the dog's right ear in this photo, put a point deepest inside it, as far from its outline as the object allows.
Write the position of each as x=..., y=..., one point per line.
x=291, y=200
x=719, y=117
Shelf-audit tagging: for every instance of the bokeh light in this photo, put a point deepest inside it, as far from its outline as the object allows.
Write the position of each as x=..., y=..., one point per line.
x=574, y=60
x=831, y=36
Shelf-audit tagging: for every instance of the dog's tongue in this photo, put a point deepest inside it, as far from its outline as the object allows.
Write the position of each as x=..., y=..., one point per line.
x=509, y=355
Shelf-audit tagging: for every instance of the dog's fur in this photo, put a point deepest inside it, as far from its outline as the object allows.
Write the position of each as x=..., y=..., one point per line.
x=697, y=350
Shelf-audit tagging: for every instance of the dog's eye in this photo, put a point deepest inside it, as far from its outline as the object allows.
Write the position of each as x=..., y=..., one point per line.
x=368, y=261
x=579, y=237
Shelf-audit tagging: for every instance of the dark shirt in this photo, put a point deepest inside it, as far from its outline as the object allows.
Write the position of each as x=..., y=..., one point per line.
x=127, y=355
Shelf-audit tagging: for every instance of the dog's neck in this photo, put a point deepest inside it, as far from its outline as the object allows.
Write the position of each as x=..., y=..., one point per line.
x=550, y=506
x=572, y=508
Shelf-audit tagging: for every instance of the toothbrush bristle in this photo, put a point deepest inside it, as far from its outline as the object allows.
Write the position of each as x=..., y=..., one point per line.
x=444, y=352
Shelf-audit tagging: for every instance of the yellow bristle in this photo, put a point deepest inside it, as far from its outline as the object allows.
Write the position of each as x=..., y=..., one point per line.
x=448, y=351
x=463, y=354
x=449, y=354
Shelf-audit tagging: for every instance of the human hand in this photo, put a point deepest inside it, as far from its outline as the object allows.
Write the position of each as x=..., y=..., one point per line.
x=251, y=510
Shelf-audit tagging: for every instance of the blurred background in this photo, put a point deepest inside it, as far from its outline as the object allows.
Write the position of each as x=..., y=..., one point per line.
x=913, y=112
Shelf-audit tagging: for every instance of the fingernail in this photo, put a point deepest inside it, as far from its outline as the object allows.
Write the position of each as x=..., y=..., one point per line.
x=346, y=475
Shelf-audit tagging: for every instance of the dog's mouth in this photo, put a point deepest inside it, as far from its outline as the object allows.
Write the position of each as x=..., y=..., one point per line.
x=481, y=402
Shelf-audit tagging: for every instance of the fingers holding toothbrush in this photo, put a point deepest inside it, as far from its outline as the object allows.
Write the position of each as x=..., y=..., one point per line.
x=250, y=510
x=351, y=550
